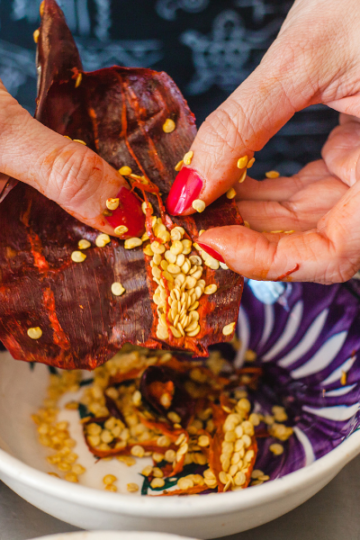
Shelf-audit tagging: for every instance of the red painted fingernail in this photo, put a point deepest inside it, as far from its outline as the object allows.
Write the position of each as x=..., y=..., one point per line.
x=128, y=214
x=184, y=191
x=212, y=252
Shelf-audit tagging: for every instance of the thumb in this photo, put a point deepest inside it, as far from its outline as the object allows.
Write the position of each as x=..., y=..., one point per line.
x=67, y=172
x=263, y=103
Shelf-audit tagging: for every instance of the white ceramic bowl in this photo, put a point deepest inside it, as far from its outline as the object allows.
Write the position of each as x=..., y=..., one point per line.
x=108, y=535
x=23, y=468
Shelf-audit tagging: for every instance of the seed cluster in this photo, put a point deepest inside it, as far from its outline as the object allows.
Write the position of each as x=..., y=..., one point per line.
x=75, y=140
x=133, y=433
x=54, y=434
x=109, y=482
x=245, y=163
x=136, y=433
x=258, y=477
x=178, y=274
x=237, y=454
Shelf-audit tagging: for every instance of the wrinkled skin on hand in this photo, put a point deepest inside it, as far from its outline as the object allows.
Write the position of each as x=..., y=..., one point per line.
x=315, y=59
x=119, y=113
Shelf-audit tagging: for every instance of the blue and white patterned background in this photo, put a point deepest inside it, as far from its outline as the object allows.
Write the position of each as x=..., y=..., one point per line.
x=208, y=46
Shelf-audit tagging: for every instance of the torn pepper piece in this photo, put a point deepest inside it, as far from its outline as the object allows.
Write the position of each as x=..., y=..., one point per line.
x=204, y=438
x=237, y=451
x=163, y=393
x=119, y=113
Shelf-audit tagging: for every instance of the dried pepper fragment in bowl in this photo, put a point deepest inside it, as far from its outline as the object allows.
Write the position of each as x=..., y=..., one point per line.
x=183, y=414
x=202, y=437
x=87, y=305
x=162, y=391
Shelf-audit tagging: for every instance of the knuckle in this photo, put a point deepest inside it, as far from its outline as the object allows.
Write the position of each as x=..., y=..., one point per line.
x=73, y=175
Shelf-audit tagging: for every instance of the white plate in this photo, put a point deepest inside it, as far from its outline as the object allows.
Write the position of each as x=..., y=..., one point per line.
x=23, y=468
x=110, y=535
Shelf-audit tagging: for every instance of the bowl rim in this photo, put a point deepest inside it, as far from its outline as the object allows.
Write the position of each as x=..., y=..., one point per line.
x=179, y=507
x=112, y=535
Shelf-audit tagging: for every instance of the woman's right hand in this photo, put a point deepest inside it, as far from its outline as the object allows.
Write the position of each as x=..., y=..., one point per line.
x=315, y=59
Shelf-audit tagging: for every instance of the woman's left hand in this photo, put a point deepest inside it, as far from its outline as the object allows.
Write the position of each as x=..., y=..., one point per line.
x=314, y=59
x=320, y=205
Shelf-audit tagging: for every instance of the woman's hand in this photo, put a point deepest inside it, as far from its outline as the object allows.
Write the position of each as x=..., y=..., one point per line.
x=315, y=59
x=67, y=172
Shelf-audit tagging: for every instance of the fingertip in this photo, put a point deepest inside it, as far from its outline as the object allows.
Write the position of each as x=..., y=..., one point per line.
x=110, y=206
x=244, y=251
x=219, y=241
x=105, y=200
x=211, y=251
x=125, y=215
x=185, y=190
x=192, y=186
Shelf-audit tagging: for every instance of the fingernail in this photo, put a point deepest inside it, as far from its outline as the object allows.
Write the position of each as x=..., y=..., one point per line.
x=128, y=214
x=212, y=252
x=186, y=188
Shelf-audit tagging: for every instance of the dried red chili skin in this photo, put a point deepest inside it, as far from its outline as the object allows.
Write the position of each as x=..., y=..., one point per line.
x=215, y=449
x=181, y=402
x=119, y=113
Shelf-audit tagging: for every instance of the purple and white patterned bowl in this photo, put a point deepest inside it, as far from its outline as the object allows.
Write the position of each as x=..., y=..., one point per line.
x=307, y=339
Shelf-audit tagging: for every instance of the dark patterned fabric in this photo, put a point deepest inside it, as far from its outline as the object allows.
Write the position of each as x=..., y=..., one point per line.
x=208, y=46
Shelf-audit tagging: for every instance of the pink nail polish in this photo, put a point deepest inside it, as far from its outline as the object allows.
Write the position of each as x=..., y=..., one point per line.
x=186, y=188
x=128, y=213
x=212, y=252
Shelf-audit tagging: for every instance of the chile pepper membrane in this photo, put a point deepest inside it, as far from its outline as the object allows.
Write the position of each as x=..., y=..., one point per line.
x=119, y=113
x=180, y=412
x=158, y=381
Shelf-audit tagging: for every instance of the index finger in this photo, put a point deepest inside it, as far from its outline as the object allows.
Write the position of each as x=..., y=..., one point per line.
x=65, y=171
